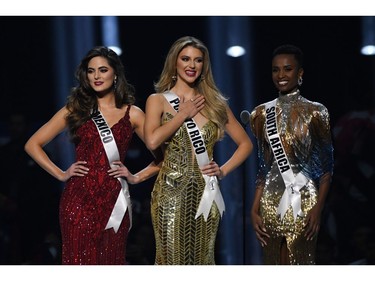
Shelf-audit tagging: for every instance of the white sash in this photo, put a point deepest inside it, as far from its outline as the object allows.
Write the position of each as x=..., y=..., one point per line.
x=123, y=200
x=211, y=191
x=293, y=184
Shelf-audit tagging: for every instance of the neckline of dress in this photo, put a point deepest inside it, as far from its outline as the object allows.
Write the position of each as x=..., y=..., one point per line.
x=290, y=97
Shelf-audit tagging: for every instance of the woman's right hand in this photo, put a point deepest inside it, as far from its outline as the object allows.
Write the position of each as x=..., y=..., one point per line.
x=192, y=107
x=260, y=230
x=77, y=169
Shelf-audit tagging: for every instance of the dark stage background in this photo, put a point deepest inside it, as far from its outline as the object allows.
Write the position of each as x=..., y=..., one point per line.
x=37, y=71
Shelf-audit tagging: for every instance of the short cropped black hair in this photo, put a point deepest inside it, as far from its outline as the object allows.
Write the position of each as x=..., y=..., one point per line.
x=290, y=50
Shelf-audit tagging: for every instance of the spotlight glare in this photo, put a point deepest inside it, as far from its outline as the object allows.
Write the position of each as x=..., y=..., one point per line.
x=116, y=49
x=236, y=51
x=368, y=50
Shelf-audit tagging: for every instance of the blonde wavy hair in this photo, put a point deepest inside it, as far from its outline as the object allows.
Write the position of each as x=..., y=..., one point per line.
x=215, y=102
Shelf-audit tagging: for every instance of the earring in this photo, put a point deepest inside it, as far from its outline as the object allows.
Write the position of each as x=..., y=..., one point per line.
x=115, y=83
x=300, y=81
x=174, y=78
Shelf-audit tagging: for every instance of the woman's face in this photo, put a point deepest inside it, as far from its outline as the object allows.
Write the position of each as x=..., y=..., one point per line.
x=189, y=64
x=285, y=73
x=100, y=74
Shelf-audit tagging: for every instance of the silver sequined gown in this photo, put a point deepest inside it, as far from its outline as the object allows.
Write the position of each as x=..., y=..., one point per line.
x=304, y=131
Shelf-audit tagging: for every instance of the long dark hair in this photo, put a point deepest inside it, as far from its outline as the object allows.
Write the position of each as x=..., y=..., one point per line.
x=82, y=100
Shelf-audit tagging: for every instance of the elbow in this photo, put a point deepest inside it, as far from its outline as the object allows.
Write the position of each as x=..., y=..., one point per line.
x=152, y=145
x=26, y=147
x=249, y=147
x=31, y=147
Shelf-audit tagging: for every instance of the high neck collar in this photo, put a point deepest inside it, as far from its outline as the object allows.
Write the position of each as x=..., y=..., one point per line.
x=290, y=97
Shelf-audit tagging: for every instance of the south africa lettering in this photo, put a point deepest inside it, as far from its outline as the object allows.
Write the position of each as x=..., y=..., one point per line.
x=275, y=141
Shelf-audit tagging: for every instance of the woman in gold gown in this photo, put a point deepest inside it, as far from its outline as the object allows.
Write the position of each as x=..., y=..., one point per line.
x=184, y=235
x=286, y=218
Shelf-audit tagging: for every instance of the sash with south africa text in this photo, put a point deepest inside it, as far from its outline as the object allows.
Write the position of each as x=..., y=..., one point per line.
x=293, y=183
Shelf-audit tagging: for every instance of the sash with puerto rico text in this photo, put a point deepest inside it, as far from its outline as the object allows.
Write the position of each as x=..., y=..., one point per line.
x=123, y=202
x=293, y=183
x=211, y=191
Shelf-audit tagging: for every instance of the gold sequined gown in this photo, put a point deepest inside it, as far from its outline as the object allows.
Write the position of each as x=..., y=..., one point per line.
x=304, y=131
x=180, y=238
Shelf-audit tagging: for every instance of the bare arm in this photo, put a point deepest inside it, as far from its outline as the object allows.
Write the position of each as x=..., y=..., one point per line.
x=137, y=118
x=157, y=133
x=244, y=149
x=244, y=144
x=153, y=168
x=34, y=147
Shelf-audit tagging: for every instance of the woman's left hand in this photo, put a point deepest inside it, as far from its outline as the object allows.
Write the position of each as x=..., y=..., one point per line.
x=212, y=169
x=312, y=226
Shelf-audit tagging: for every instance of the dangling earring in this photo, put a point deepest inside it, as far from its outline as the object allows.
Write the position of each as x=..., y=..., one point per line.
x=174, y=78
x=115, y=83
x=300, y=81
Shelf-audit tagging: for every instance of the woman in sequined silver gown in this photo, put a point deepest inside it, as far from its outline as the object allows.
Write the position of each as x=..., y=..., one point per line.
x=181, y=237
x=304, y=131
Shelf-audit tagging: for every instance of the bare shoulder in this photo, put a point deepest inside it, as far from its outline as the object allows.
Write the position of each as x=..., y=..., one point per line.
x=55, y=125
x=155, y=97
x=62, y=113
x=136, y=116
x=135, y=112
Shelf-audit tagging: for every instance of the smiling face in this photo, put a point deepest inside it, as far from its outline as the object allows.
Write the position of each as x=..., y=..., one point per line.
x=189, y=64
x=285, y=73
x=100, y=74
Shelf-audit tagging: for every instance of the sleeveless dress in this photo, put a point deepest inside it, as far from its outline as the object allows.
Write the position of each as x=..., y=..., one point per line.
x=304, y=131
x=180, y=238
x=87, y=202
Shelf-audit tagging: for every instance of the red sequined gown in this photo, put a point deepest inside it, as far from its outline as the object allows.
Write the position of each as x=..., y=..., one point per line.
x=87, y=202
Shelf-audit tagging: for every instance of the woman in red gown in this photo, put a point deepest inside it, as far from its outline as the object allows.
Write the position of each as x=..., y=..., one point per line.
x=101, y=117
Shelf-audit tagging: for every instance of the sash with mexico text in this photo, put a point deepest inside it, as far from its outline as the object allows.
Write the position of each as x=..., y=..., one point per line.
x=123, y=202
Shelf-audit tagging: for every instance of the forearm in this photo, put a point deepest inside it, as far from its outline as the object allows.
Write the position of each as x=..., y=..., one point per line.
x=239, y=156
x=151, y=170
x=41, y=158
x=162, y=133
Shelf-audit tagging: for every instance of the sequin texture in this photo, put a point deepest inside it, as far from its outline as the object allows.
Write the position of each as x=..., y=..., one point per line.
x=87, y=202
x=180, y=238
x=304, y=130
